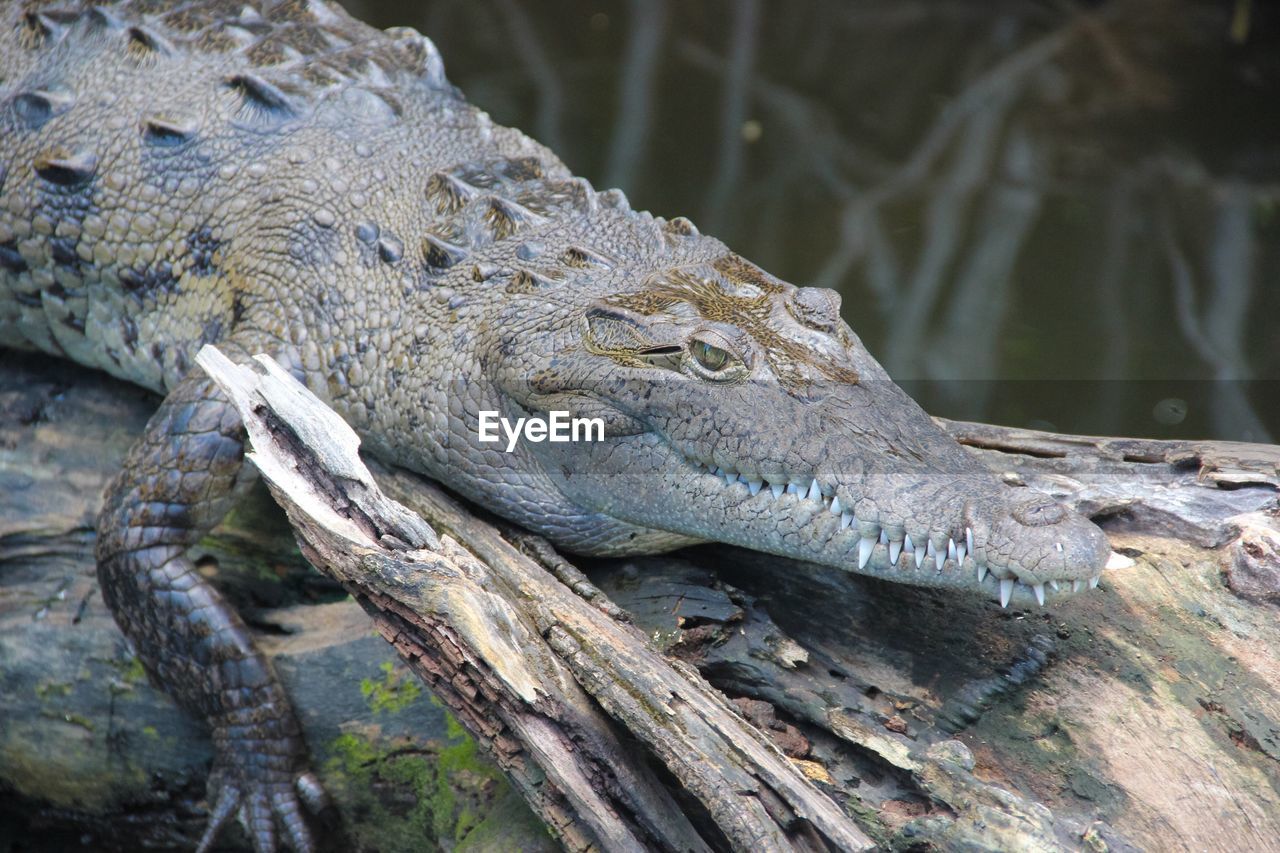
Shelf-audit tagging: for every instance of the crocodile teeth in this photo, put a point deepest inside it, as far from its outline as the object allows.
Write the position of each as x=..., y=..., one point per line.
x=864, y=550
x=730, y=478
x=895, y=549
x=815, y=491
x=960, y=552
x=777, y=489
x=1118, y=561
x=1093, y=582
x=846, y=519
x=884, y=536
x=754, y=486
x=951, y=550
x=920, y=553
x=1006, y=591
x=982, y=573
x=1053, y=585
x=1038, y=589
x=835, y=505
x=793, y=488
x=907, y=544
x=968, y=539
x=939, y=558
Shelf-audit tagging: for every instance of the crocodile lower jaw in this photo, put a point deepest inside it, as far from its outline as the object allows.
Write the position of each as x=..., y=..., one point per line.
x=882, y=552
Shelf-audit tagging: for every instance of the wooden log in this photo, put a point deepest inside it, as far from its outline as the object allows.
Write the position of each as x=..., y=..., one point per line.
x=1141, y=716
x=515, y=655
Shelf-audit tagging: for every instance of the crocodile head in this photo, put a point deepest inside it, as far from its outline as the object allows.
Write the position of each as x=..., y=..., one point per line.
x=742, y=409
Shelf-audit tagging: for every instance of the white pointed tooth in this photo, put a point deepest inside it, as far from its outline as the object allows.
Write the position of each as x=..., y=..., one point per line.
x=729, y=478
x=1093, y=582
x=951, y=550
x=895, y=549
x=815, y=491
x=1077, y=586
x=1057, y=546
x=1006, y=591
x=960, y=552
x=1038, y=589
x=982, y=573
x=907, y=544
x=754, y=486
x=884, y=536
x=864, y=551
x=929, y=549
x=1118, y=561
x=846, y=519
x=939, y=558
x=968, y=539
x=835, y=505
x=793, y=488
x=920, y=553
x=777, y=489
x=1053, y=585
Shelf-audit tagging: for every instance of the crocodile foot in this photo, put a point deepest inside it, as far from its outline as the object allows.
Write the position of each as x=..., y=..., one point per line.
x=263, y=805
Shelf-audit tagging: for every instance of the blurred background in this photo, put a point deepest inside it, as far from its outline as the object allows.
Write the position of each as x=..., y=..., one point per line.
x=1048, y=214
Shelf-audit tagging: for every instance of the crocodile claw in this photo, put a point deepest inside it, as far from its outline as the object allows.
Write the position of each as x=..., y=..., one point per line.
x=263, y=806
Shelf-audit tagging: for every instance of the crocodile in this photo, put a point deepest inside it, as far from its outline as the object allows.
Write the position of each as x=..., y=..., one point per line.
x=277, y=177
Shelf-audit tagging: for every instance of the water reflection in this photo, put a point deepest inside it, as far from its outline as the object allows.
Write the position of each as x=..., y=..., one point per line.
x=1038, y=214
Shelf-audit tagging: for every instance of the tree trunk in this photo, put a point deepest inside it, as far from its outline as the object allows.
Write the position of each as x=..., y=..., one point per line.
x=1145, y=714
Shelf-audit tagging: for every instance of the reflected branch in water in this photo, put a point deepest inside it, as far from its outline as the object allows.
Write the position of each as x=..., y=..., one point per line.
x=825, y=154
x=945, y=223
x=631, y=126
x=1231, y=274
x=742, y=41
x=1010, y=73
x=542, y=73
x=1216, y=342
x=884, y=272
x=965, y=348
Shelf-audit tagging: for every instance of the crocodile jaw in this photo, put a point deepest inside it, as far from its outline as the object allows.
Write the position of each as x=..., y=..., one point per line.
x=973, y=533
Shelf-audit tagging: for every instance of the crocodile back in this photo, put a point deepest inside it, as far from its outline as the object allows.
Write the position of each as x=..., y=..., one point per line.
x=171, y=174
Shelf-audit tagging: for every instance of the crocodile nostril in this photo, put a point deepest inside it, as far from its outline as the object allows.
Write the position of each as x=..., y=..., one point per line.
x=1039, y=513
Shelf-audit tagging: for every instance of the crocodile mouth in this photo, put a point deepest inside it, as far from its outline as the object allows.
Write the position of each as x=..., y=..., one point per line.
x=926, y=556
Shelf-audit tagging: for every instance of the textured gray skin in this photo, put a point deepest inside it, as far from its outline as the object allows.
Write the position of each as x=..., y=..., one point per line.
x=291, y=181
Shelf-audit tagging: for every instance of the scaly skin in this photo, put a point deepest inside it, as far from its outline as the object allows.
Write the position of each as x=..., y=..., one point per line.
x=288, y=180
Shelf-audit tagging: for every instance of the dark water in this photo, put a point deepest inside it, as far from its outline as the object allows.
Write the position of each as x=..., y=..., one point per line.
x=1063, y=215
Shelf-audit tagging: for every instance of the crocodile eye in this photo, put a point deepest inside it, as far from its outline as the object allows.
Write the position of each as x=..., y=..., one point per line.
x=710, y=357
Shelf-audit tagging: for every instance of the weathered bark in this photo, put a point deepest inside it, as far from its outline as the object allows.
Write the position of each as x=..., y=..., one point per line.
x=1146, y=714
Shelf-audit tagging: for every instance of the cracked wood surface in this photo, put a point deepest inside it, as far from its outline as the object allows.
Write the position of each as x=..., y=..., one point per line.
x=1143, y=716
x=515, y=656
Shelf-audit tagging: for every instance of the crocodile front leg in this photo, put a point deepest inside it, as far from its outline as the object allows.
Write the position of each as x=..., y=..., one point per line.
x=178, y=482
